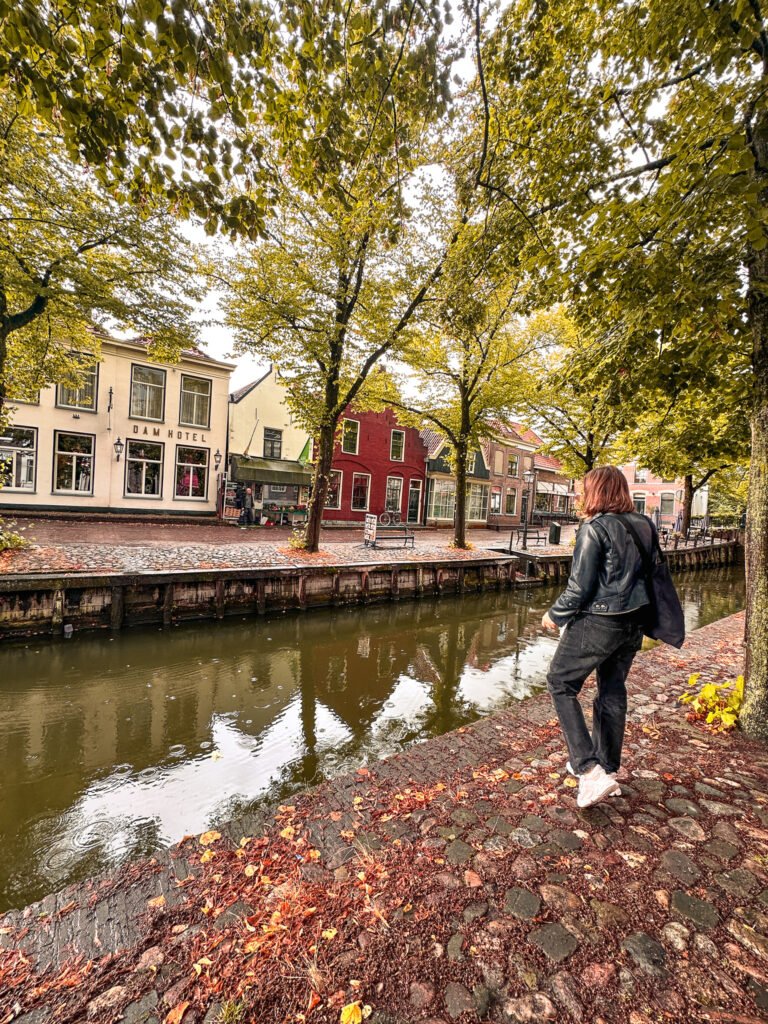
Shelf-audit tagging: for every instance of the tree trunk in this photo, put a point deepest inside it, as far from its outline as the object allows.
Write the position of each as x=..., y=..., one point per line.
x=460, y=518
x=4, y=333
x=319, y=486
x=687, y=503
x=754, y=713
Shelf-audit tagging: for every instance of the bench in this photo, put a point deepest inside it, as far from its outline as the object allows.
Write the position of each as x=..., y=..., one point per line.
x=405, y=537
x=534, y=536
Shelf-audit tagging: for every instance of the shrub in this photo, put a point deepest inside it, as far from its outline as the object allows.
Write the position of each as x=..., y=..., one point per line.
x=717, y=703
x=10, y=541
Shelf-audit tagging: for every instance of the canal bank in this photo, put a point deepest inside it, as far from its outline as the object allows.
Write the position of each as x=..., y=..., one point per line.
x=61, y=589
x=462, y=865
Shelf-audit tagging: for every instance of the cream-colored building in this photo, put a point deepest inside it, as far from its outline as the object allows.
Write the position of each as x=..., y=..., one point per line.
x=136, y=436
x=268, y=451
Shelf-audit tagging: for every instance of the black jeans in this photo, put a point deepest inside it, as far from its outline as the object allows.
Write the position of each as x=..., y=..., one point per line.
x=606, y=644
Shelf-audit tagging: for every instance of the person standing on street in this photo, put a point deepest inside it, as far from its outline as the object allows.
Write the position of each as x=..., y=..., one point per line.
x=248, y=507
x=601, y=612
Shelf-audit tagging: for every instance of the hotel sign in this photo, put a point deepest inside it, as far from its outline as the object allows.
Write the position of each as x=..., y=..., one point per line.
x=179, y=435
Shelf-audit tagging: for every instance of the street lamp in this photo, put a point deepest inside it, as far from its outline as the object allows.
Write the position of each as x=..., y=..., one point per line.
x=119, y=446
x=528, y=477
x=217, y=457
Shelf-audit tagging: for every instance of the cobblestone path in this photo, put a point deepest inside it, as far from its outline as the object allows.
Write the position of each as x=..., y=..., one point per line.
x=456, y=882
x=170, y=557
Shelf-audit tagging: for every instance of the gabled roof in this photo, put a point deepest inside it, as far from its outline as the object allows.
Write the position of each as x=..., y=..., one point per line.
x=526, y=434
x=433, y=440
x=505, y=431
x=547, y=462
x=240, y=393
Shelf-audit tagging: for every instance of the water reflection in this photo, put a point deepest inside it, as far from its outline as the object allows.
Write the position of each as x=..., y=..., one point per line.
x=111, y=746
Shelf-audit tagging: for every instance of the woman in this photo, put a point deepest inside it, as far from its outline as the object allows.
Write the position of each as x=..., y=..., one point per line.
x=602, y=610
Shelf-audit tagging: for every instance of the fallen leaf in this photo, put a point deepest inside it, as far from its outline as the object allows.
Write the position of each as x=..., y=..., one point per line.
x=570, y=782
x=202, y=962
x=208, y=855
x=351, y=1013
x=158, y=901
x=209, y=837
x=250, y=870
x=330, y=933
x=175, y=1015
x=288, y=832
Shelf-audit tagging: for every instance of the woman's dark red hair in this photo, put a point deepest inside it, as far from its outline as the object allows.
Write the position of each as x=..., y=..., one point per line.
x=605, y=490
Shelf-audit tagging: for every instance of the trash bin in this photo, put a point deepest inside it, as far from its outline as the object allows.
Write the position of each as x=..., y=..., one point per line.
x=554, y=533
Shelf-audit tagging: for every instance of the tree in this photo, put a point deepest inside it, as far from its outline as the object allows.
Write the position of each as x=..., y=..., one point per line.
x=694, y=435
x=72, y=258
x=650, y=147
x=157, y=95
x=465, y=363
x=573, y=393
x=728, y=492
x=346, y=264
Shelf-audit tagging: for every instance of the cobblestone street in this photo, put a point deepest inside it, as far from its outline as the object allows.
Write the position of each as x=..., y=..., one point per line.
x=454, y=882
x=76, y=546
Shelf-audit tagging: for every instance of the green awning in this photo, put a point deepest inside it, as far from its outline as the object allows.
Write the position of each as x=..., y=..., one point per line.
x=270, y=471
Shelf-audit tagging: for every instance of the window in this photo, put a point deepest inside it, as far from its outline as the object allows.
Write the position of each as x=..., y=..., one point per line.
x=84, y=395
x=667, y=503
x=18, y=447
x=350, y=436
x=191, y=472
x=361, y=483
x=333, y=497
x=273, y=443
x=496, y=500
x=73, y=463
x=397, y=446
x=641, y=475
x=277, y=488
x=144, y=469
x=510, y=507
x=442, y=499
x=498, y=463
x=477, y=501
x=394, y=499
x=195, y=409
x=147, y=393
x=639, y=502
x=513, y=463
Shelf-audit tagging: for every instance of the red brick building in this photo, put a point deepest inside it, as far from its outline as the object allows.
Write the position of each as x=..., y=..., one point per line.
x=378, y=466
x=511, y=453
x=659, y=498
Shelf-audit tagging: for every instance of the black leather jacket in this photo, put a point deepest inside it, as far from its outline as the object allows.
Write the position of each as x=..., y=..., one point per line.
x=607, y=573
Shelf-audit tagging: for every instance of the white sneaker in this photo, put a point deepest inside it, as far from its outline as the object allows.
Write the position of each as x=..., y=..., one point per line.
x=594, y=786
x=611, y=775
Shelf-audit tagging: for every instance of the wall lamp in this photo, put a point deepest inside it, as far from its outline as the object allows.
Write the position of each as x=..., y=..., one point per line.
x=217, y=457
x=119, y=446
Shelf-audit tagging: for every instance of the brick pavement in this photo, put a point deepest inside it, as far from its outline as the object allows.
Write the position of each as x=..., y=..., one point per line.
x=456, y=882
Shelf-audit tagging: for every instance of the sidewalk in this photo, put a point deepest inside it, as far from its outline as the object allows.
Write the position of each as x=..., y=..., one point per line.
x=456, y=882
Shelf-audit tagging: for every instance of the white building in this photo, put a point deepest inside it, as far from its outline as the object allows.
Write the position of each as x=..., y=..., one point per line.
x=136, y=436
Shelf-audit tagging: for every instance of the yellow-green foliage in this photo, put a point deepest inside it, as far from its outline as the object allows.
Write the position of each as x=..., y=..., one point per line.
x=718, y=702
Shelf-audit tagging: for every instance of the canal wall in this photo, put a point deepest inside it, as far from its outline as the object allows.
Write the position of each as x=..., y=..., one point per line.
x=550, y=566
x=60, y=604
x=64, y=603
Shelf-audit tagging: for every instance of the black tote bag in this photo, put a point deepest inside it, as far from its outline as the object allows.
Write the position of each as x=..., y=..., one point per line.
x=665, y=620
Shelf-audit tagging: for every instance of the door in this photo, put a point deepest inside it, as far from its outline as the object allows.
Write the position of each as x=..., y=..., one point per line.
x=414, y=501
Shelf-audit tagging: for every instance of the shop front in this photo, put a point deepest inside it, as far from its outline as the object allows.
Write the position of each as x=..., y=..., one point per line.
x=266, y=492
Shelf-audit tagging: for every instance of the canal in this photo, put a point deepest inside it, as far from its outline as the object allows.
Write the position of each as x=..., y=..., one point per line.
x=113, y=745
